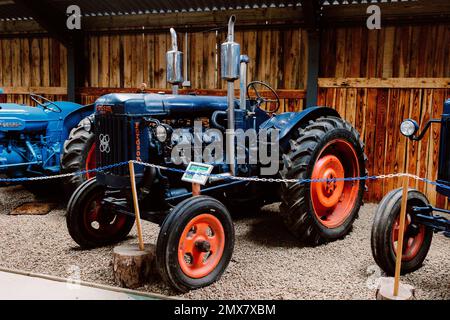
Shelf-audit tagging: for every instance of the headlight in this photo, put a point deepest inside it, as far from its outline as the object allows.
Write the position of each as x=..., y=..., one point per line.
x=409, y=127
x=87, y=125
x=162, y=132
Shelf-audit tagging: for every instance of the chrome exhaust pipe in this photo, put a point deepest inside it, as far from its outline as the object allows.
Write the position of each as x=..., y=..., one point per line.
x=230, y=65
x=243, y=82
x=174, y=60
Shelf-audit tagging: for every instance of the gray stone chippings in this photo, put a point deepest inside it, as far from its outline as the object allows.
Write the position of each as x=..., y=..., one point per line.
x=267, y=263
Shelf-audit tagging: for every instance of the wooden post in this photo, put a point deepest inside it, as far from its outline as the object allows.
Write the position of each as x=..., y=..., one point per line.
x=196, y=189
x=136, y=206
x=401, y=233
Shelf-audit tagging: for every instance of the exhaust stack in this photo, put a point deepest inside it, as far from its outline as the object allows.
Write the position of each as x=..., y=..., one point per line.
x=230, y=68
x=243, y=82
x=174, y=59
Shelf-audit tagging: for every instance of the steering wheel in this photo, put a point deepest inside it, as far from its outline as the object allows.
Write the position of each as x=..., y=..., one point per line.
x=38, y=99
x=272, y=101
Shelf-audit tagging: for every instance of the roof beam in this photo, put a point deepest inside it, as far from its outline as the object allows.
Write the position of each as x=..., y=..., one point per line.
x=311, y=13
x=195, y=20
x=413, y=12
x=48, y=17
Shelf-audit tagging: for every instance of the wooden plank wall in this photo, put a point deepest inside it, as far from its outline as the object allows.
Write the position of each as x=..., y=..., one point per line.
x=392, y=52
x=125, y=61
x=32, y=62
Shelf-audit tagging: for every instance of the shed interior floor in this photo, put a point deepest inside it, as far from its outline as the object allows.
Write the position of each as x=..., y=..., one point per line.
x=267, y=263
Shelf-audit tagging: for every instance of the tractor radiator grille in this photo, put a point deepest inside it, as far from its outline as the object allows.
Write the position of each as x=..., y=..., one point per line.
x=112, y=135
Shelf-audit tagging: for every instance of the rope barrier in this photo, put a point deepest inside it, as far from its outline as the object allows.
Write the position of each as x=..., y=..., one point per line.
x=218, y=175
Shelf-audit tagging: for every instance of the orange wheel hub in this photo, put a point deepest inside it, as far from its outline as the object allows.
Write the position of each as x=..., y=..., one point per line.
x=201, y=246
x=328, y=193
x=91, y=162
x=413, y=238
x=333, y=200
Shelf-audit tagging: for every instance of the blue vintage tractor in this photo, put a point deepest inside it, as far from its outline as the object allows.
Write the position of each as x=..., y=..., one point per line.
x=421, y=222
x=51, y=138
x=196, y=239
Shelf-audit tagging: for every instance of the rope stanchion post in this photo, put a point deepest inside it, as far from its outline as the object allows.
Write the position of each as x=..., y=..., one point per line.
x=196, y=189
x=136, y=206
x=401, y=233
x=134, y=266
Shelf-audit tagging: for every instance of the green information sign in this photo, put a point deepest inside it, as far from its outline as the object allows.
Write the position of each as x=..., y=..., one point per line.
x=197, y=173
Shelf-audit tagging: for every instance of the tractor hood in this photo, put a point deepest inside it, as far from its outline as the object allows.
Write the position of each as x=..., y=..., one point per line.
x=168, y=105
x=16, y=117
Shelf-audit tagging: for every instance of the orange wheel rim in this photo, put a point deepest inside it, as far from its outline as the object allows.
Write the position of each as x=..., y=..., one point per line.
x=412, y=241
x=333, y=201
x=201, y=246
x=91, y=162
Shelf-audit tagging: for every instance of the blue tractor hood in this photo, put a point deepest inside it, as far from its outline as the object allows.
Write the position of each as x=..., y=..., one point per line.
x=161, y=104
x=16, y=117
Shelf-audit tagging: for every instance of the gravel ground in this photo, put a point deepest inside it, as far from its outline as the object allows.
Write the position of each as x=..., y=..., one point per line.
x=267, y=263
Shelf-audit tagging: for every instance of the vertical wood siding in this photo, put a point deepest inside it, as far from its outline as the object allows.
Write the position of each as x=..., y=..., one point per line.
x=392, y=52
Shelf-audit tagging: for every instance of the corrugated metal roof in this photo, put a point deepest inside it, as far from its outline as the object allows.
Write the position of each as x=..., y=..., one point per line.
x=11, y=11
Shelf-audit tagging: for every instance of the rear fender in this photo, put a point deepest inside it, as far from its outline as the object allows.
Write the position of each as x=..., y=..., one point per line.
x=288, y=122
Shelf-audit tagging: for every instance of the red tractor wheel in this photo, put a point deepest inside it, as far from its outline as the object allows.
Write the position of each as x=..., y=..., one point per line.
x=328, y=148
x=195, y=243
x=385, y=230
x=79, y=154
x=89, y=224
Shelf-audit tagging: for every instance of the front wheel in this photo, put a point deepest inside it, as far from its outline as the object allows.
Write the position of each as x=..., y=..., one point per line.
x=195, y=243
x=385, y=230
x=327, y=148
x=89, y=224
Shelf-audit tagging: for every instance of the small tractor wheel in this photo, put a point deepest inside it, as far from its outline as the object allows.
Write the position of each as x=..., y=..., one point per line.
x=319, y=212
x=195, y=243
x=78, y=155
x=89, y=224
x=385, y=229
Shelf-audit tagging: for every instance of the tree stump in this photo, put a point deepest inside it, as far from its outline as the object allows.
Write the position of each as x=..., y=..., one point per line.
x=385, y=290
x=133, y=268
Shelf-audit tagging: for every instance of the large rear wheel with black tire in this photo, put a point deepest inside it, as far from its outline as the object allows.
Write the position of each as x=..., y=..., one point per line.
x=89, y=224
x=326, y=149
x=79, y=154
x=385, y=233
x=195, y=243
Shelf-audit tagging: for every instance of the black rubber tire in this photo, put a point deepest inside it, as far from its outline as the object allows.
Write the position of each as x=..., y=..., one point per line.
x=75, y=223
x=75, y=152
x=387, y=212
x=298, y=163
x=169, y=236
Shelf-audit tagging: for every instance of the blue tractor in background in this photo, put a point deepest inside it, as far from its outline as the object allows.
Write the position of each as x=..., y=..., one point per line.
x=51, y=138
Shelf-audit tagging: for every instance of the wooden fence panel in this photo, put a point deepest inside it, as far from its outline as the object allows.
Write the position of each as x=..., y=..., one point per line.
x=31, y=64
x=277, y=57
x=385, y=146
x=377, y=78
x=391, y=52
